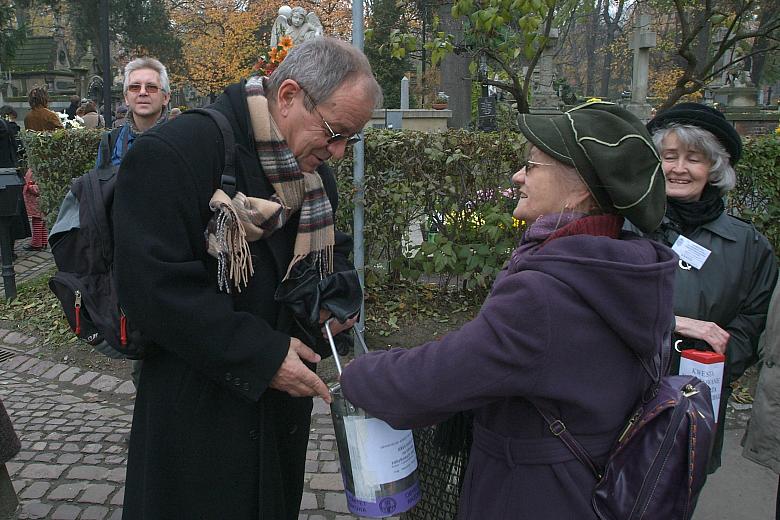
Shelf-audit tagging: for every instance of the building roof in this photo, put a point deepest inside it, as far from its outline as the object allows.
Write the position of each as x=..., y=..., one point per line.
x=37, y=53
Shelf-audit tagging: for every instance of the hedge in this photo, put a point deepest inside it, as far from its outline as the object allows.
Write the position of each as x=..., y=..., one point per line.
x=56, y=158
x=450, y=189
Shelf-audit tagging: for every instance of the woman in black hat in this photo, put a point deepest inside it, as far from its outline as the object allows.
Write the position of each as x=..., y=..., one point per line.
x=565, y=324
x=721, y=301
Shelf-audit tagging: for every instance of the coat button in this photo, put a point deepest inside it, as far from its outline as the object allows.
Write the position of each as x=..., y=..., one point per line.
x=253, y=435
x=246, y=387
x=237, y=382
x=228, y=377
x=293, y=429
x=770, y=363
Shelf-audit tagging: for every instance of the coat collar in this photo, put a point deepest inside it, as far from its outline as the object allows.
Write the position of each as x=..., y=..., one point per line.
x=722, y=226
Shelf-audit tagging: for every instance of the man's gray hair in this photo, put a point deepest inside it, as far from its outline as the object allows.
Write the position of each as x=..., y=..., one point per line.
x=147, y=63
x=320, y=66
x=694, y=138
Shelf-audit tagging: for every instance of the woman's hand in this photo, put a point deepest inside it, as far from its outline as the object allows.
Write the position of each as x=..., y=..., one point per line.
x=716, y=337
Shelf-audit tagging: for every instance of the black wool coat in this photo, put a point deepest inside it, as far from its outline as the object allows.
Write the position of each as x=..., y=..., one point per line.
x=210, y=439
x=9, y=442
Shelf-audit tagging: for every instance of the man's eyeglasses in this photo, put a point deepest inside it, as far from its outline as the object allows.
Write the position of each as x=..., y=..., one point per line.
x=151, y=88
x=334, y=136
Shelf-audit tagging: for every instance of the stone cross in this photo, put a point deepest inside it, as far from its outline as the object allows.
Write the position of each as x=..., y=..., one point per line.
x=544, y=94
x=643, y=41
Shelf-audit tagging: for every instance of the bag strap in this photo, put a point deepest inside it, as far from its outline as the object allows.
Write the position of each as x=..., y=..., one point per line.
x=558, y=429
x=107, y=143
x=227, y=181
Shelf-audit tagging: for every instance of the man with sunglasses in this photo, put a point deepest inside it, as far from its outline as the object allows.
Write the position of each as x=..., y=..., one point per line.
x=147, y=92
x=223, y=410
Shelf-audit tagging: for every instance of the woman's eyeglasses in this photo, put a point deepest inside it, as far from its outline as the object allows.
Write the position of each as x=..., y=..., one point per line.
x=334, y=136
x=528, y=164
x=151, y=88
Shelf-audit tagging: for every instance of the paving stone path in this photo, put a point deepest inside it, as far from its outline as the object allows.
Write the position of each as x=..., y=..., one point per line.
x=73, y=425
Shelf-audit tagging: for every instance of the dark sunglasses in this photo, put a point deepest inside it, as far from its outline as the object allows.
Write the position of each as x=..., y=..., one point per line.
x=335, y=137
x=151, y=88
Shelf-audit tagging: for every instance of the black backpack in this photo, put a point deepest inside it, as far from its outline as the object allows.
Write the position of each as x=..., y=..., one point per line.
x=83, y=248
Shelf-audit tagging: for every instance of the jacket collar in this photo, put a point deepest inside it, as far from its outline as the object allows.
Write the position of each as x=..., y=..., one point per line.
x=722, y=226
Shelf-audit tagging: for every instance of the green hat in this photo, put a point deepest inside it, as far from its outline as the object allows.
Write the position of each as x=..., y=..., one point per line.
x=613, y=153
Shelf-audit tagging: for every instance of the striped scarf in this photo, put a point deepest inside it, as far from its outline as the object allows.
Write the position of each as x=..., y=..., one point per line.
x=243, y=218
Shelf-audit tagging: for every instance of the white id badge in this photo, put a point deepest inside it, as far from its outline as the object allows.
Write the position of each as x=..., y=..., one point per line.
x=690, y=252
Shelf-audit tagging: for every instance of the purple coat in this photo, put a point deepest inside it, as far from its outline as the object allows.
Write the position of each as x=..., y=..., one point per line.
x=563, y=325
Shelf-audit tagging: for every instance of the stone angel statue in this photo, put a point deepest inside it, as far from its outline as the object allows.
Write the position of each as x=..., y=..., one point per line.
x=297, y=24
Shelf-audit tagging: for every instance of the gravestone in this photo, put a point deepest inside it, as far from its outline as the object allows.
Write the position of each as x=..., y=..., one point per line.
x=643, y=40
x=404, y=93
x=545, y=99
x=487, y=112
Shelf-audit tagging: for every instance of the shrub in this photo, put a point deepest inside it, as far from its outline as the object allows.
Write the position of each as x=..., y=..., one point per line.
x=757, y=195
x=451, y=188
x=56, y=158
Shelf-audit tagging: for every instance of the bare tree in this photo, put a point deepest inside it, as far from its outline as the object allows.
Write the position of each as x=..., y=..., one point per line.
x=738, y=19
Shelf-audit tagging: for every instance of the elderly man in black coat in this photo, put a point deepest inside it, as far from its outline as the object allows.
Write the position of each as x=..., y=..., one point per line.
x=223, y=408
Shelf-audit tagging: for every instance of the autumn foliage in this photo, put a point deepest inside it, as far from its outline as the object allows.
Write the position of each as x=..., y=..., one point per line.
x=223, y=41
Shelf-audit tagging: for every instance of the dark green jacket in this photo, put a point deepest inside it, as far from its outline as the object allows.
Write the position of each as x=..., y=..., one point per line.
x=733, y=287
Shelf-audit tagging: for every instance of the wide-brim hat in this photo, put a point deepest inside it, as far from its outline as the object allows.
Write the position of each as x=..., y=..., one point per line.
x=613, y=153
x=702, y=116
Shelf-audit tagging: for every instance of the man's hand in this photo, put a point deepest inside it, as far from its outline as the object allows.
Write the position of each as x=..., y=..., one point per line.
x=716, y=337
x=336, y=326
x=295, y=378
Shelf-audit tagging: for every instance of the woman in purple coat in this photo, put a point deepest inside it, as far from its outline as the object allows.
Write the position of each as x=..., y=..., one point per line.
x=579, y=302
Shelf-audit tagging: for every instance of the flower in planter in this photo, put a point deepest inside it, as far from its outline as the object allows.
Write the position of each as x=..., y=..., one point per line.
x=441, y=98
x=272, y=57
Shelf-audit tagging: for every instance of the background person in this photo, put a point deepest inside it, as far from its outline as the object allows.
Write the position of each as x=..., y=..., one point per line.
x=91, y=117
x=722, y=305
x=565, y=324
x=40, y=118
x=762, y=435
x=121, y=114
x=75, y=103
x=147, y=92
x=10, y=151
x=223, y=409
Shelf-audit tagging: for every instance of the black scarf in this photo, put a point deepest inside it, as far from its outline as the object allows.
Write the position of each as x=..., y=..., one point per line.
x=690, y=215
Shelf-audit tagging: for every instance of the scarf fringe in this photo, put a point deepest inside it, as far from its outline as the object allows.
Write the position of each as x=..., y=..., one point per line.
x=227, y=242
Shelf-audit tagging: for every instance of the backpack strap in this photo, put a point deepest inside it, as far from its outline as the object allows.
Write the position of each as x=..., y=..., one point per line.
x=227, y=181
x=107, y=143
x=558, y=429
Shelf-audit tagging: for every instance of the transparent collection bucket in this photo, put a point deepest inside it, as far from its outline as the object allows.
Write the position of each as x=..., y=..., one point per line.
x=378, y=463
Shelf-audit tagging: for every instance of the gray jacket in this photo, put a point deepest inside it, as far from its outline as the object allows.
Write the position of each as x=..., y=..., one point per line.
x=762, y=438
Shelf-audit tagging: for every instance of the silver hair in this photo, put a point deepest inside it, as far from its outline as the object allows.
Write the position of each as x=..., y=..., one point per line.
x=147, y=63
x=320, y=66
x=722, y=174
